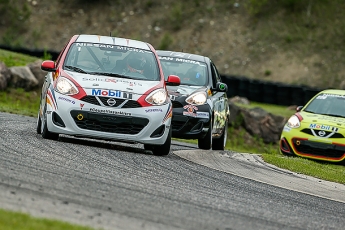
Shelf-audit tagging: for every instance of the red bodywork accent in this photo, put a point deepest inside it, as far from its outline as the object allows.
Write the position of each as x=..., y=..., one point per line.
x=81, y=93
x=60, y=72
x=300, y=118
x=284, y=146
x=158, y=62
x=161, y=84
x=317, y=157
x=174, y=80
x=48, y=65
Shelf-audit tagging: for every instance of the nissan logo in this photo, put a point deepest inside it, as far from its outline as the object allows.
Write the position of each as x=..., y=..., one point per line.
x=111, y=101
x=322, y=133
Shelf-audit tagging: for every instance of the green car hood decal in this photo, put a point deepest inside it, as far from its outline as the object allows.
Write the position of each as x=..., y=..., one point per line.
x=322, y=122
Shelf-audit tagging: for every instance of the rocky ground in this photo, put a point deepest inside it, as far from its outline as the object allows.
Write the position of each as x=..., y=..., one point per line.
x=222, y=30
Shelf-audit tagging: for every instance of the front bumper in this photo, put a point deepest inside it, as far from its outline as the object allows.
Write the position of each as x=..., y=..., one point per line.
x=146, y=125
x=187, y=125
x=325, y=149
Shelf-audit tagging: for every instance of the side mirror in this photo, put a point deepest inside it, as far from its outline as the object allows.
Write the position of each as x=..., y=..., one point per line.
x=48, y=66
x=299, y=108
x=221, y=87
x=173, y=80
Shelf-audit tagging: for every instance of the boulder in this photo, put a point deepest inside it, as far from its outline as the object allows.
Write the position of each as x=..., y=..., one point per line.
x=235, y=112
x=257, y=122
x=239, y=100
x=39, y=74
x=22, y=77
x=5, y=75
x=262, y=124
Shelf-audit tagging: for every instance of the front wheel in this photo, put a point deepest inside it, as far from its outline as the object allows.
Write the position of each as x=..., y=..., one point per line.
x=161, y=150
x=38, y=124
x=220, y=143
x=46, y=134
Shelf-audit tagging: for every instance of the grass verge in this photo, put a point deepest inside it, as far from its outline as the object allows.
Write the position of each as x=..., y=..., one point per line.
x=15, y=59
x=10, y=220
x=20, y=102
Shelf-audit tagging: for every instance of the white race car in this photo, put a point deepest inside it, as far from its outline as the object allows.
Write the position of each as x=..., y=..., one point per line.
x=107, y=88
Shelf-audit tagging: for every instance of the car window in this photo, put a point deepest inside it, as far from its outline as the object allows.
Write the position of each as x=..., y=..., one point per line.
x=215, y=75
x=190, y=72
x=330, y=104
x=109, y=59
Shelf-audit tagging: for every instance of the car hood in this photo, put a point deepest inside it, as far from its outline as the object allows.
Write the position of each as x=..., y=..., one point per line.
x=184, y=90
x=116, y=83
x=318, y=121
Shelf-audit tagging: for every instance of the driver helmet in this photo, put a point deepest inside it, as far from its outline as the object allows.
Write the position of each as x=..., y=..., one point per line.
x=136, y=63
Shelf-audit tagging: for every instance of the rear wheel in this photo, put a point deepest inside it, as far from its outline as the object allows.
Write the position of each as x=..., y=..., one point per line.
x=220, y=143
x=160, y=150
x=46, y=134
x=206, y=141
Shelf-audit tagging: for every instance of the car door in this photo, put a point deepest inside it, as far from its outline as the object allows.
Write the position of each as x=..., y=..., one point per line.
x=220, y=103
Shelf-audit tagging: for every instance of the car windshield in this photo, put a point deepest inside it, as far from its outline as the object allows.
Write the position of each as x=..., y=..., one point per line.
x=190, y=72
x=327, y=104
x=112, y=60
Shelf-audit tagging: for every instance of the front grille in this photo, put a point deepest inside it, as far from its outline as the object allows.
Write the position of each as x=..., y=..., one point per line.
x=177, y=125
x=119, y=101
x=109, y=123
x=131, y=104
x=178, y=122
x=319, y=149
x=176, y=104
x=335, y=135
x=104, y=100
x=91, y=100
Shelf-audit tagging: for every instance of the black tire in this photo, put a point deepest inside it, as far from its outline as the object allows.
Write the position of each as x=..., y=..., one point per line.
x=38, y=124
x=161, y=150
x=206, y=141
x=220, y=143
x=46, y=134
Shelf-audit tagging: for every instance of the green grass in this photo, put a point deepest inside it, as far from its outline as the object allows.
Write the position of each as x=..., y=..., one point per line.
x=321, y=170
x=20, y=102
x=15, y=59
x=10, y=220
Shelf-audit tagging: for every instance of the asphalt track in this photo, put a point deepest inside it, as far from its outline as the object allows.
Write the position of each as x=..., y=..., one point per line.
x=112, y=185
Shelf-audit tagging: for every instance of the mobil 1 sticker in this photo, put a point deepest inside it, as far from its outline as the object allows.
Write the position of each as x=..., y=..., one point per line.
x=112, y=93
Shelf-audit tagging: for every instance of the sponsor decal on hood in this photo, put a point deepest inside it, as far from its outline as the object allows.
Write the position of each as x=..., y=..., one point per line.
x=111, y=83
x=325, y=120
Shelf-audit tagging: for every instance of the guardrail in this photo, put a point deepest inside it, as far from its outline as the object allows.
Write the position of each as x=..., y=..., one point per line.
x=268, y=92
x=253, y=89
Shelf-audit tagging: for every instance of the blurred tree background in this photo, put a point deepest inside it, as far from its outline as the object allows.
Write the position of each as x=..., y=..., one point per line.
x=290, y=41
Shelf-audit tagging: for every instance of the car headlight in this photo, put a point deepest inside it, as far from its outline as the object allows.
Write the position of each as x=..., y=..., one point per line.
x=157, y=97
x=293, y=122
x=66, y=87
x=198, y=98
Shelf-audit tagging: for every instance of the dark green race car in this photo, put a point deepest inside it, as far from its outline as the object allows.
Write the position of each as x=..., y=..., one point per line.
x=200, y=103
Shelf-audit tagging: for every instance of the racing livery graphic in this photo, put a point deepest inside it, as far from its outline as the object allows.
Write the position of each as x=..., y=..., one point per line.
x=317, y=130
x=107, y=88
x=200, y=104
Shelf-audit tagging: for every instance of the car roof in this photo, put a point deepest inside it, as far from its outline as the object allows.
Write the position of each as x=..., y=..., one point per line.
x=183, y=55
x=113, y=41
x=333, y=91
